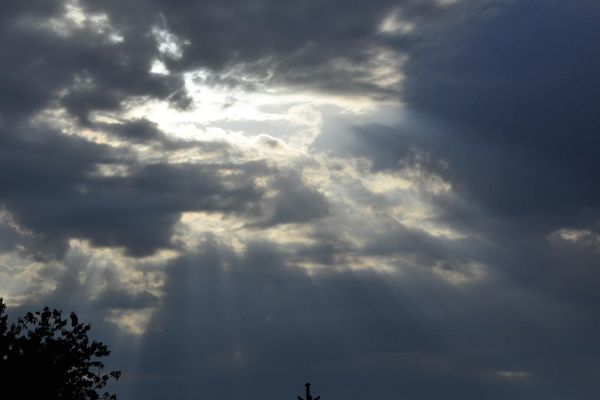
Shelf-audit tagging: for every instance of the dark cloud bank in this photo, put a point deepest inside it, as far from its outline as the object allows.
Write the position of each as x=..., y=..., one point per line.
x=502, y=103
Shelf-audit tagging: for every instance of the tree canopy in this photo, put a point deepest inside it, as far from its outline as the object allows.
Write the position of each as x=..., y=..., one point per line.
x=43, y=355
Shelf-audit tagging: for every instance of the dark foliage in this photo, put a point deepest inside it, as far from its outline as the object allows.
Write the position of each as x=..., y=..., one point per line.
x=46, y=356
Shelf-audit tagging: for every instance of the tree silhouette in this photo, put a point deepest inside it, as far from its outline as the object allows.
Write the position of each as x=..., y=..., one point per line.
x=46, y=356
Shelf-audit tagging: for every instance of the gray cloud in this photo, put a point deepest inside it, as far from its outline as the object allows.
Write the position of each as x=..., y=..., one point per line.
x=254, y=312
x=294, y=203
x=51, y=187
x=82, y=70
x=328, y=46
x=510, y=110
x=506, y=116
x=123, y=299
x=50, y=184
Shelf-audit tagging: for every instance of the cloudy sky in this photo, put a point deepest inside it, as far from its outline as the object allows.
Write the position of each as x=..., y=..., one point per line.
x=391, y=199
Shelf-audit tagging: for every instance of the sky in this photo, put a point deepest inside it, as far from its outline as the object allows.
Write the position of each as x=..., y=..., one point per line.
x=389, y=199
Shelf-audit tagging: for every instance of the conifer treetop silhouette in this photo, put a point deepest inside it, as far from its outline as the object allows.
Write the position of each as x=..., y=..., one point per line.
x=308, y=395
x=46, y=356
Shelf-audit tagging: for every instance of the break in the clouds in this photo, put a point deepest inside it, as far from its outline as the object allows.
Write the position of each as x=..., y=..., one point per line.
x=388, y=198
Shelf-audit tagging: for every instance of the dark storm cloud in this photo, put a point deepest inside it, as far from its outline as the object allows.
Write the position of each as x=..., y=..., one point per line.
x=507, y=116
x=83, y=69
x=526, y=111
x=324, y=45
x=500, y=100
x=254, y=312
x=574, y=262
x=145, y=132
x=137, y=131
x=95, y=287
x=502, y=106
x=128, y=300
x=47, y=179
x=402, y=240
x=294, y=202
x=88, y=68
x=15, y=9
x=9, y=237
x=49, y=183
x=24, y=87
x=512, y=111
x=256, y=320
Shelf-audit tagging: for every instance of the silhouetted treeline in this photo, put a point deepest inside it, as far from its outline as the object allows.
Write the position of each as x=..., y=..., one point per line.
x=46, y=356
